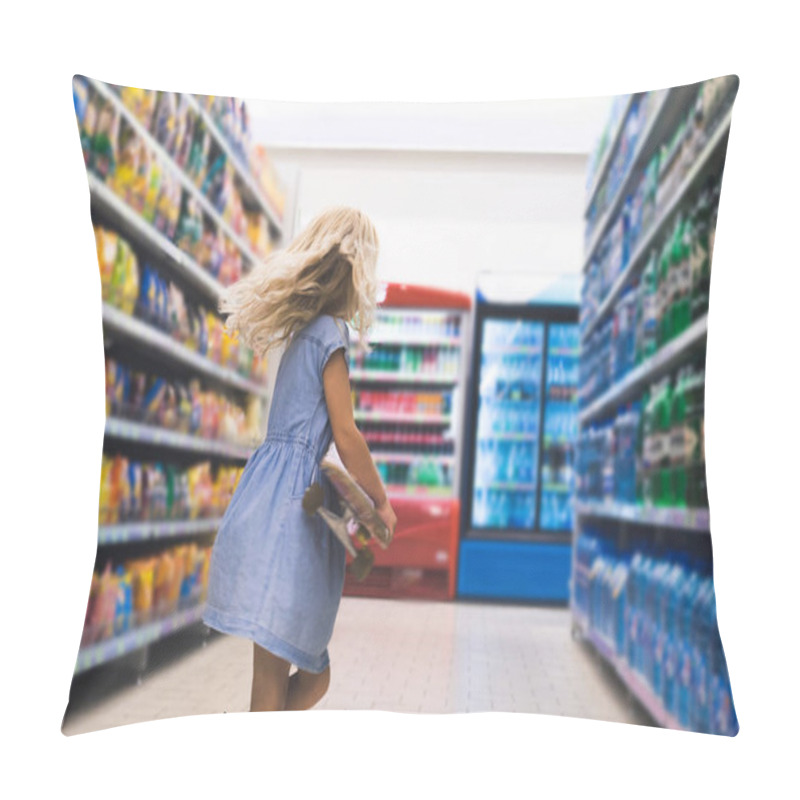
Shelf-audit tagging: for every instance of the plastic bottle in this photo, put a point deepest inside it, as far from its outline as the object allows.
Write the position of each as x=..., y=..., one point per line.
x=677, y=437
x=694, y=435
x=664, y=295
x=700, y=258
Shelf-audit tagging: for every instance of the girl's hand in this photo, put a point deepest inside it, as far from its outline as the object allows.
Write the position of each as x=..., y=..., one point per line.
x=386, y=513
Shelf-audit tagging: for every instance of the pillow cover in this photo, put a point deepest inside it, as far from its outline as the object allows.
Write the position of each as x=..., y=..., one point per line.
x=572, y=489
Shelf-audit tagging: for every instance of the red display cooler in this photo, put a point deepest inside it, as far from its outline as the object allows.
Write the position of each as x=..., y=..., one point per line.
x=408, y=402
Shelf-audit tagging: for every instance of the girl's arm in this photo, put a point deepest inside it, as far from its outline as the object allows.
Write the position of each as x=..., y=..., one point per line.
x=349, y=442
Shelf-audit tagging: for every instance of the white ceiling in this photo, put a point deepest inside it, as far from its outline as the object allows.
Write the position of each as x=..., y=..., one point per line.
x=537, y=126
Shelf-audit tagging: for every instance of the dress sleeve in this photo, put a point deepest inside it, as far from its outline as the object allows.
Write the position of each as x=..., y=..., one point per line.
x=333, y=336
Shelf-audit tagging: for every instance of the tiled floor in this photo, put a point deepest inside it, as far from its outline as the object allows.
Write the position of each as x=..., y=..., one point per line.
x=406, y=656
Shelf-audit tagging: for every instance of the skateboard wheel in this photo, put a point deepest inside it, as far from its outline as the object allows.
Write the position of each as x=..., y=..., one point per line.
x=313, y=498
x=362, y=564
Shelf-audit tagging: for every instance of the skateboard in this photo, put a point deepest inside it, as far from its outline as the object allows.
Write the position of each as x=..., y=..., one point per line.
x=359, y=521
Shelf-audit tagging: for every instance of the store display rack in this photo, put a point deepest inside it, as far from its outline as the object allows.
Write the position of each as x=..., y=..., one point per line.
x=125, y=532
x=656, y=522
x=645, y=146
x=132, y=224
x=605, y=162
x=662, y=361
x=632, y=681
x=143, y=336
x=377, y=376
x=148, y=343
x=168, y=162
x=173, y=440
x=411, y=419
x=253, y=192
x=687, y=519
x=639, y=256
x=100, y=653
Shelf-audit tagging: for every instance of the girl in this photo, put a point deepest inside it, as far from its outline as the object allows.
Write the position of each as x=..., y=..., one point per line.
x=276, y=573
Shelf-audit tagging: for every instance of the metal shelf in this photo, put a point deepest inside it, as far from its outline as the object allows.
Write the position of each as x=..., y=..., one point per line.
x=519, y=349
x=632, y=680
x=121, y=324
x=508, y=437
x=687, y=519
x=410, y=458
x=150, y=434
x=125, y=532
x=506, y=486
x=642, y=249
x=411, y=419
x=605, y=162
x=136, y=227
x=431, y=341
x=402, y=490
x=385, y=376
x=645, y=142
x=166, y=159
x=666, y=357
x=255, y=191
x=101, y=652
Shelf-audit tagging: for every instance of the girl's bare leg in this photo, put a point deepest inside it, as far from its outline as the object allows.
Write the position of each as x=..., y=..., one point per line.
x=270, y=681
x=306, y=689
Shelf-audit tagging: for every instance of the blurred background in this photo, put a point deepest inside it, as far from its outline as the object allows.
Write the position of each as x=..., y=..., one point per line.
x=534, y=398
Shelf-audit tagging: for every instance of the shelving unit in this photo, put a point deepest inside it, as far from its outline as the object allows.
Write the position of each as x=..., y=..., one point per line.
x=410, y=419
x=138, y=229
x=625, y=525
x=409, y=378
x=125, y=532
x=173, y=440
x=632, y=680
x=254, y=193
x=605, y=163
x=686, y=519
x=155, y=352
x=638, y=258
x=664, y=360
x=142, y=336
x=167, y=161
x=100, y=653
x=667, y=102
x=418, y=454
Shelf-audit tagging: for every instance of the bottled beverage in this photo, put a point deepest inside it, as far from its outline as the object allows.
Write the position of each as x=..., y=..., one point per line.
x=700, y=259
x=664, y=294
x=678, y=441
x=696, y=490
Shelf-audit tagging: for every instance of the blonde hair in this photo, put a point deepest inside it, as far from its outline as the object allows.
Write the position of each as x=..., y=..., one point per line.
x=329, y=268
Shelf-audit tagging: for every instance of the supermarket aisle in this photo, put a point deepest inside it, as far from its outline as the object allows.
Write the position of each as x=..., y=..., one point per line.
x=400, y=656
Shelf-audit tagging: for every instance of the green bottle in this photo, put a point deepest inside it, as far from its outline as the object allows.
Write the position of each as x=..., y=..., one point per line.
x=677, y=444
x=700, y=258
x=647, y=328
x=665, y=494
x=694, y=432
x=664, y=294
x=685, y=276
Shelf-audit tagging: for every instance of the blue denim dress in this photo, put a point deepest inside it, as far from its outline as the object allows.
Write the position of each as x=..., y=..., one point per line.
x=276, y=573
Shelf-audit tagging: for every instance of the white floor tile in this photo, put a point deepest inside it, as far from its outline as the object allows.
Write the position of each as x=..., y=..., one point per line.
x=401, y=656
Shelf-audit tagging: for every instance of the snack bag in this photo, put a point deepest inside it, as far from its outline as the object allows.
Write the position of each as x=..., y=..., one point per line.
x=124, y=606
x=152, y=191
x=129, y=290
x=101, y=618
x=105, y=490
x=106, y=242
x=127, y=165
x=104, y=142
x=142, y=573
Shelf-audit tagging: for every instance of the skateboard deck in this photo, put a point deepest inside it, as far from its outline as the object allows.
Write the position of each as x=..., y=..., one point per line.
x=357, y=525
